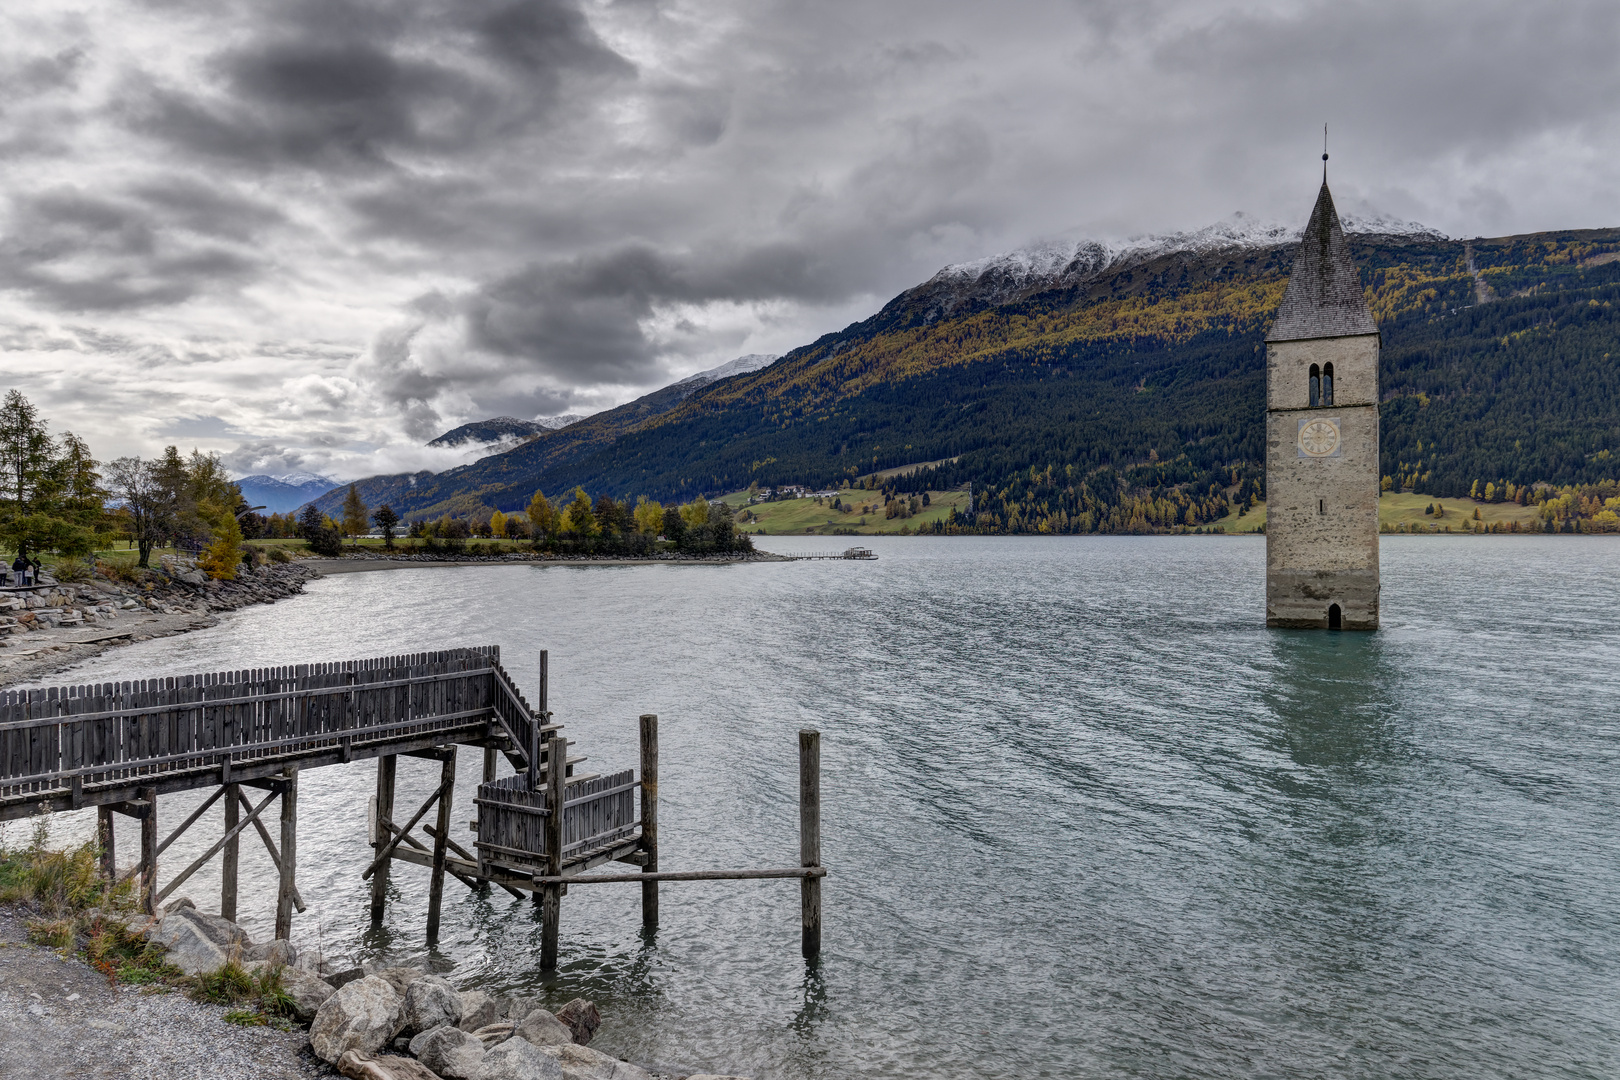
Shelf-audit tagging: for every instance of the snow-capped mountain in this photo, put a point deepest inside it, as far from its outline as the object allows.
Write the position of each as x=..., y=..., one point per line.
x=289, y=491
x=1012, y=275
x=557, y=423
x=740, y=366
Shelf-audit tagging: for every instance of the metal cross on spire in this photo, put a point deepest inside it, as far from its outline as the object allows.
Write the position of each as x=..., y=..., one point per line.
x=1324, y=153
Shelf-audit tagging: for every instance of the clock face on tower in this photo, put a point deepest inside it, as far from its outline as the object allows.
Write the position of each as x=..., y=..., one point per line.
x=1319, y=437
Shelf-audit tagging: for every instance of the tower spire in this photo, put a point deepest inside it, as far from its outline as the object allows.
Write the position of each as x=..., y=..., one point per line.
x=1324, y=153
x=1324, y=297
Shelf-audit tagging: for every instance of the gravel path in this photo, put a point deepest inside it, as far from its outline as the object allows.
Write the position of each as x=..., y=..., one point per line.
x=60, y=1019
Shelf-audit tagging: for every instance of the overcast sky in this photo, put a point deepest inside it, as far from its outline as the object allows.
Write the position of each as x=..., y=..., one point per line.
x=313, y=234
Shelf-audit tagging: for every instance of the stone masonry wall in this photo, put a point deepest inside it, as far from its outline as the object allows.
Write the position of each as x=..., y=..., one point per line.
x=1322, y=513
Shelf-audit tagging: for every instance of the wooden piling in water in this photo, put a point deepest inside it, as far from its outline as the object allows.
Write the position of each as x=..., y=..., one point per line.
x=228, y=860
x=289, y=853
x=551, y=900
x=149, y=849
x=810, y=840
x=385, y=812
x=447, y=787
x=649, y=820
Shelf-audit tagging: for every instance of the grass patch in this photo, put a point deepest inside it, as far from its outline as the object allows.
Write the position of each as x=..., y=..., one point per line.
x=860, y=514
x=254, y=998
x=1404, y=513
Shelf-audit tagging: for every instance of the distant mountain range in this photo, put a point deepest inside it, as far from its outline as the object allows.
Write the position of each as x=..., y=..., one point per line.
x=503, y=433
x=281, y=494
x=1120, y=386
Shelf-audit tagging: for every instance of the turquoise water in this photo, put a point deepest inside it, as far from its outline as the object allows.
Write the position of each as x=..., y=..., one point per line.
x=1085, y=815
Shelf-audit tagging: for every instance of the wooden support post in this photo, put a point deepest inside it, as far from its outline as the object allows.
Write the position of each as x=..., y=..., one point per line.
x=269, y=846
x=104, y=837
x=551, y=899
x=539, y=722
x=289, y=853
x=489, y=764
x=385, y=812
x=228, y=861
x=447, y=787
x=649, y=820
x=149, y=850
x=810, y=839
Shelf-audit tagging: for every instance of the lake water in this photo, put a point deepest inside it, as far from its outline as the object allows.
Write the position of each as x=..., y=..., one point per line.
x=1084, y=814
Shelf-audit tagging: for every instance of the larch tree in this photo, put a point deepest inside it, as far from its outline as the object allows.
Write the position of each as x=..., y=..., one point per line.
x=497, y=525
x=579, y=518
x=355, y=513
x=542, y=518
x=649, y=516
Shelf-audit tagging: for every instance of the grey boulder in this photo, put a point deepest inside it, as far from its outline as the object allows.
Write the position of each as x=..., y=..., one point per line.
x=583, y=1063
x=362, y=1016
x=196, y=942
x=540, y=1028
x=516, y=1008
x=399, y=977
x=308, y=992
x=517, y=1059
x=452, y=1053
x=429, y=1002
x=276, y=952
x=494, y=1034
x=478, y=1010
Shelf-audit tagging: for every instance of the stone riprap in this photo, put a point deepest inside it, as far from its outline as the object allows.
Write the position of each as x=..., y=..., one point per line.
x=61, y=623
x=356, y=1014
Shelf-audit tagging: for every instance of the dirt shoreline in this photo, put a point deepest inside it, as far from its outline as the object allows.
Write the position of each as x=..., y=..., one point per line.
x=60, y=1019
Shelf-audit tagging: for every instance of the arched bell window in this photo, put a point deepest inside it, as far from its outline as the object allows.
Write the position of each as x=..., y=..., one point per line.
x=1327, y=386
x=1316, y=386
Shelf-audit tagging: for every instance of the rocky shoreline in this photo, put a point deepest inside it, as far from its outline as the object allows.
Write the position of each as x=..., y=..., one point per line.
x=367, y=1021
x=58, y=624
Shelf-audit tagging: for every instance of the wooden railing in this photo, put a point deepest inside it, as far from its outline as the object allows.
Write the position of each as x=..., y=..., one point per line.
x=77, y=736
x=512, y=819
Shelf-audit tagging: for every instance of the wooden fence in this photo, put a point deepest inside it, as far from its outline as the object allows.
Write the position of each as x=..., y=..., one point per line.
x=512, y=819
x=115, y=733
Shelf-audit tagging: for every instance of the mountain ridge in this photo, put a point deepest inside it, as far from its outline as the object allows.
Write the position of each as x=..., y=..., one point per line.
x=1155, y=359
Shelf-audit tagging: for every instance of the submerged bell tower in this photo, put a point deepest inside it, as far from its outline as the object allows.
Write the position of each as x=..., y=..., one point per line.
x=1322, y=439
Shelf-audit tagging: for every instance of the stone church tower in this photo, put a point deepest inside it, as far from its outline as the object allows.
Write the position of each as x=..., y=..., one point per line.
x=1322, y=440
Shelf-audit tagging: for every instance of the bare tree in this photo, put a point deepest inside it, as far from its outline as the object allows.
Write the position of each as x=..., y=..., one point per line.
x=139, y=487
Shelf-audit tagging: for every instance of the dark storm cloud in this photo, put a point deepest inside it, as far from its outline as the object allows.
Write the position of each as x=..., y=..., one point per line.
x=348, y=84
x=79, y=252
x=580, y=320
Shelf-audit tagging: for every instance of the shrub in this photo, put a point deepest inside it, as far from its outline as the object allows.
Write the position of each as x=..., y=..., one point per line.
x=277, y=554
x=325, y=542
x=118, y=570
x=71, y=568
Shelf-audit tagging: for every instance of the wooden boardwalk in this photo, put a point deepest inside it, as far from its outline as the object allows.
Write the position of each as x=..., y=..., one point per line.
x=119, y=746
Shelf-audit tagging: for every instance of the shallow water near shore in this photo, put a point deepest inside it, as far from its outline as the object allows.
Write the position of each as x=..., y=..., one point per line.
x=1084, y=814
